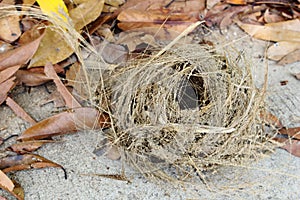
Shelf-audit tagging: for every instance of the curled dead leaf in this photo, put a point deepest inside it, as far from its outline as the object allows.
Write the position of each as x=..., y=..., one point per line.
x=67, y=122
x=26, y=161
x=20, y=55
x=30, y=78
x=6, y=86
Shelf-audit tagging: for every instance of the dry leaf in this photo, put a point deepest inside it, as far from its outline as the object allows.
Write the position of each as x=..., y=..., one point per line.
x=133, y=39
x=272, y=17
x=293, y=147
x=53, y=48
x=77, y=79
x=280, y=49
x=8, y=72
x=108, y=149
x=71, y=102
x=26, y=161
x=28, y=146
x=6, y=182
x=294, y=133
x=160, y=13
x=85, y=13
x=20, y=55
x=67, y=122
x=291, y=57
x=236, y=2
x=211, y=3
x=33, y=33
x=19, y=111
x=5, y=88
x=30, y=78
x=223, y=14
x=270, y=119
x=115, y=3
x=10, y=186
x=281, y=31
x=113, y=53
x=10, y=28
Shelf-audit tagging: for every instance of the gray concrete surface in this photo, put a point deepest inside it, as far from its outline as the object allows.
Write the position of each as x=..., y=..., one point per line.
x=275, y=176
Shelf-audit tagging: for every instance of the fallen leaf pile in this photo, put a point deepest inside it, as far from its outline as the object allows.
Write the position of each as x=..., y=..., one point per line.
x=34, y=50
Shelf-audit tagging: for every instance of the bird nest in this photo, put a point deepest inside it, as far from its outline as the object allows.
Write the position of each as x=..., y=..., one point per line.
x=184, y=112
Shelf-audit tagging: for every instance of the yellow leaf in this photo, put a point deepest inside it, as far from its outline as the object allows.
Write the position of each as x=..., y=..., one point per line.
x=54, y=8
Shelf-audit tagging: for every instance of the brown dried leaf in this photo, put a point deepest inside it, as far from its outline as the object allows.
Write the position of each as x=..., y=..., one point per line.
x=114, y=3
x=280, y=49
x=10, y=186
x=6, y=182
x=5, y=88
x=31, y=34
x=108, y=149
x=224, y=14
x=25, y=161
x=77, y=79
x=211, y=3
x=85, y=13
x=272, y=16
x=19, y=111
x=270, y=119
x=28, y=146
x=293, y=147
x=292, y=132
x=281, y=31
x=7, y=73
x=20, y=55
x=113, y=53
x=291, y=57
x=67, y=122
x=10, y=28
x=30, y=78
x=133, y=39
x=175, y=15
x=71, y=102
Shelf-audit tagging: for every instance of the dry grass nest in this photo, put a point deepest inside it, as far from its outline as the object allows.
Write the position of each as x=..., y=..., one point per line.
x=185, y=112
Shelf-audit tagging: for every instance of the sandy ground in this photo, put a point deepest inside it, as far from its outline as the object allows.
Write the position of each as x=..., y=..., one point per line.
x=275, y=176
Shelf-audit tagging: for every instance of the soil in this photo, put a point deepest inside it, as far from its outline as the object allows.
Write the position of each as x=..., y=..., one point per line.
x=275, y=176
